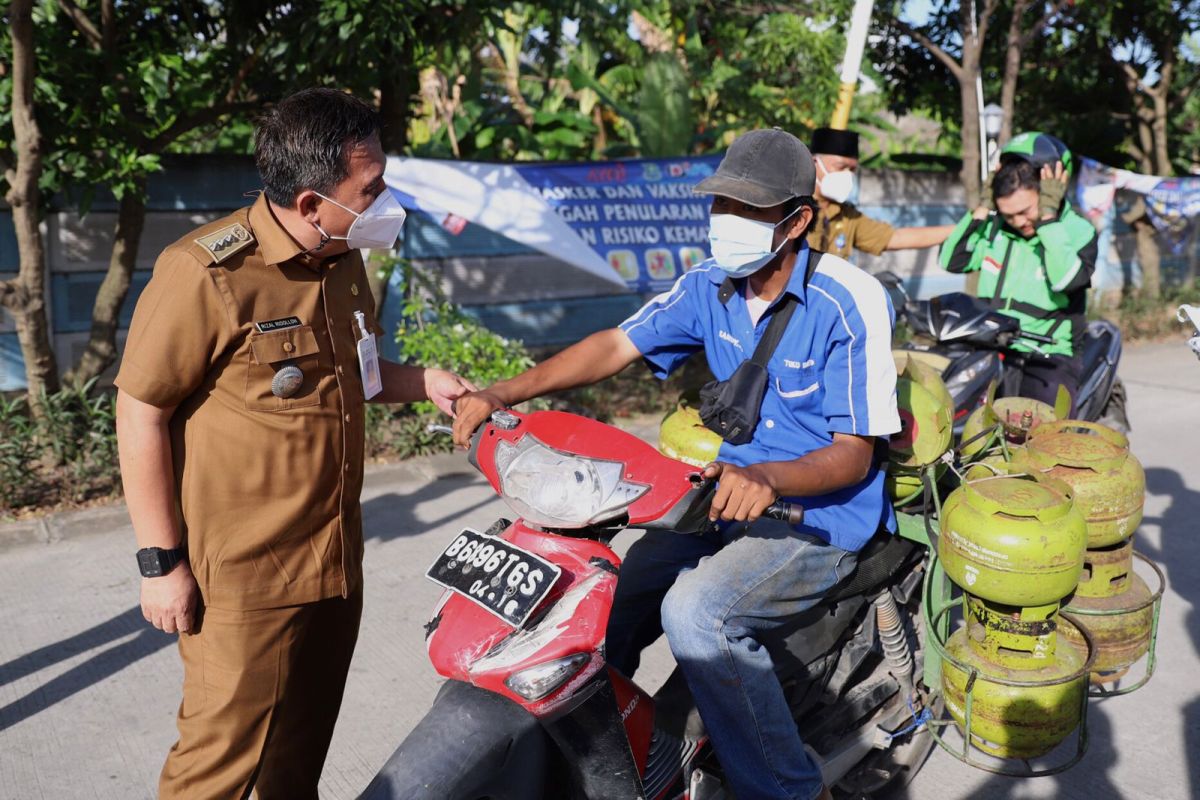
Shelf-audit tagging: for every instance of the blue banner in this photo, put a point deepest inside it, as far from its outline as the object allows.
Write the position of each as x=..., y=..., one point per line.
x=1172, y=207
x=639, y=215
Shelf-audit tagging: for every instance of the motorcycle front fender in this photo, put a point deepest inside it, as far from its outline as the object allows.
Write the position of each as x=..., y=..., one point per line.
x=471, y=744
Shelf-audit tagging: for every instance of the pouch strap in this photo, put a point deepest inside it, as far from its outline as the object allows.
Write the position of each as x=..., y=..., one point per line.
x=781, y=316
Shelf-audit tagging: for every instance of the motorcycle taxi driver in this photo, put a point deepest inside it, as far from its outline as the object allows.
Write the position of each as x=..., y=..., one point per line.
x=831, y=391
x=1035, y=257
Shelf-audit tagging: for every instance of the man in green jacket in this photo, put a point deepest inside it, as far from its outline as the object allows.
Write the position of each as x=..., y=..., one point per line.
x=1035, y=257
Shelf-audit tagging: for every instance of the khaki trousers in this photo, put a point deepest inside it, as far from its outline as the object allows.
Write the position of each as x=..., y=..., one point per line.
x=261, y=693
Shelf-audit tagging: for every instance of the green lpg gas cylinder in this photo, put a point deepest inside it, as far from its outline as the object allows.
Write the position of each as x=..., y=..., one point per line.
x=682, y=436
x=1109, y=484
x=1011, y=637
x=1013, y=417
x=1013, y=540
x=1013, y=721
x=991, y=466
x=1020, y=416
x=1107, y=571
x=1120, y=626
x=903, y=483
x=926, y=416
x=980, y=432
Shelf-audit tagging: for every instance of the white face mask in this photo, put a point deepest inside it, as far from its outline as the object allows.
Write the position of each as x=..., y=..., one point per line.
x=836, y=187
x=743, y=246
x=377, y=227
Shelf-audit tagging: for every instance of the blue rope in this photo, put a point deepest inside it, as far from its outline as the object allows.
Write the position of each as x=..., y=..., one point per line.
x=918, y=721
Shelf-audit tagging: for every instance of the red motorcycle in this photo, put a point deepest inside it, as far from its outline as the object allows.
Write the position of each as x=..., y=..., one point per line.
x=531, y=709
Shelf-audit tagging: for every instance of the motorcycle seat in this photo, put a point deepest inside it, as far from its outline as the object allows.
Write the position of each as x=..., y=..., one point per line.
x=880, y=558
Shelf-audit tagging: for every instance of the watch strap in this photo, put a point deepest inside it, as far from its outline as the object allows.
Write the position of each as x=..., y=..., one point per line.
x=154, y=562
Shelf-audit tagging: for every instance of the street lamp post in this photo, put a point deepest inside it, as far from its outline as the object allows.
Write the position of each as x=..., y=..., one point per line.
x=993, y=118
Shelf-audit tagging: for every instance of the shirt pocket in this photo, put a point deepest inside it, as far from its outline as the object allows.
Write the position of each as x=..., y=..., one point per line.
x=798, y=384
x=271, y=352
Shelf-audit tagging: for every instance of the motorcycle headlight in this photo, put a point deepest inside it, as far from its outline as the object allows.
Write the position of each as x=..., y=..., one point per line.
x=536, y=682
x=561, y=490
x=959, y=381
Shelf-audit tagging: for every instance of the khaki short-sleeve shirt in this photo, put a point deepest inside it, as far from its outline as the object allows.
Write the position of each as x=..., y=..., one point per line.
x=841, y=228
x=268, y=486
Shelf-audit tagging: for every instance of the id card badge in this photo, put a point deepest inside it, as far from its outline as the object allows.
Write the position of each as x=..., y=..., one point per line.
x=368, y=359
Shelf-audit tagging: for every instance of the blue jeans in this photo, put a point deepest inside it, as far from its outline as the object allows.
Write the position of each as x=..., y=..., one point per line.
x=717, y=593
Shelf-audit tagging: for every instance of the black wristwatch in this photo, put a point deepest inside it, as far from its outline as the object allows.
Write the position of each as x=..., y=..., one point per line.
x=155, y=562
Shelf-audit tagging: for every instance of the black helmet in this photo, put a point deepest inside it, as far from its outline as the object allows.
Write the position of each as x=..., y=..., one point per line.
x=1040, y=149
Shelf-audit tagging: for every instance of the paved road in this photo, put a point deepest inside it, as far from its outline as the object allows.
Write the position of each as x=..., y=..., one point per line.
x=88, y=692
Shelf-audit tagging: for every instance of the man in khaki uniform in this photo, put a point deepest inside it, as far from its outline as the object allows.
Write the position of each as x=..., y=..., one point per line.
x=840, y=226
x=240, y=424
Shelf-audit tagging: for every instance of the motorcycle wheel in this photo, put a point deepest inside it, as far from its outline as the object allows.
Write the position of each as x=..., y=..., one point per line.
x=888, y=772
x=1113, y=415
x=471, y=745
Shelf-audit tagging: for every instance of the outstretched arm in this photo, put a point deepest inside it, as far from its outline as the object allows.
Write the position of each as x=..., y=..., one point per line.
x=917, y=238
x=597, y=357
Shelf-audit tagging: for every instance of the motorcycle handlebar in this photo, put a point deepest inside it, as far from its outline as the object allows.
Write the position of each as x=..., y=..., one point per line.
x=1036, y=337
x=783, y=511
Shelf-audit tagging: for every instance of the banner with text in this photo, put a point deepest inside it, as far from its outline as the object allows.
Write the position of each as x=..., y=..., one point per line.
x=640, y=215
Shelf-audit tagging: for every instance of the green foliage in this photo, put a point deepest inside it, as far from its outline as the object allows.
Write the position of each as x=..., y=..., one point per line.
x=18, y=453
x=78, y=435
x=68, y=456
x=434, y=332
x=400, y=432
x=1144, y=318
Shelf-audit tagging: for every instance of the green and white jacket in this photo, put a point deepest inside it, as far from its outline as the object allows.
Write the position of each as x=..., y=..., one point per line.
x=1042, y=281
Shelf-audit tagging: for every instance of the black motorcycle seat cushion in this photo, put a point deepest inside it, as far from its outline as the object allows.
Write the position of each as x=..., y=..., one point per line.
x=879, y=559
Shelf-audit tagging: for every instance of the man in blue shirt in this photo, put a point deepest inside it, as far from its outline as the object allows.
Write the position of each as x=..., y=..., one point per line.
x=831, y=390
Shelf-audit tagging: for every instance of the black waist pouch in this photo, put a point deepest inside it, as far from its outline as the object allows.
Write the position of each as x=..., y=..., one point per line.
x=731, y=408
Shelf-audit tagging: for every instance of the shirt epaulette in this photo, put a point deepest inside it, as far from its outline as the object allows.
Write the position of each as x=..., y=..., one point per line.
x=225, y=242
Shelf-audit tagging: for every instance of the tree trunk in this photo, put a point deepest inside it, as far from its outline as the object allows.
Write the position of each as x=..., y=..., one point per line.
x=25, y=296
x=970, y=132
x=397, y=86
x=1148, y=256
x=101, y=350
x=1012, y=71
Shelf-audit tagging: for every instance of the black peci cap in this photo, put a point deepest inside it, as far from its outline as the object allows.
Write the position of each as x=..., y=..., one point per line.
x=763, y=168
x=833, y=142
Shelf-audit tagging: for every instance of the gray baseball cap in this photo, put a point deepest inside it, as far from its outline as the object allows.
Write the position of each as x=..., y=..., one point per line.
x=763, y=168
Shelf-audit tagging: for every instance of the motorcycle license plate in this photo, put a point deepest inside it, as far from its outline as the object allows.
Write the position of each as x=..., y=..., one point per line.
x=505, y=579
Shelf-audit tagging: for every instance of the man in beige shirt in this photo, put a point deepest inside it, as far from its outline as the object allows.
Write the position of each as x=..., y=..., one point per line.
x=841, y=227
x=240, y=419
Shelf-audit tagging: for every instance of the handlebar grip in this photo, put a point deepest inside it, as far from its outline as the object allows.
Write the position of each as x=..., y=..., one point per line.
x=1037, y=337
x=790, y=513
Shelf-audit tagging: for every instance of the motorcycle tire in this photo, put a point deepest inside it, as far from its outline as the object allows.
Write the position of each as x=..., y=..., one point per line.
x=471, y=745
x=1114, y=414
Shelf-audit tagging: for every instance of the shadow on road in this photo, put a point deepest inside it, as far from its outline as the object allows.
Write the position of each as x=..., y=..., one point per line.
x=1091, y=774
x=393, y=515
x=99, y=667
x=1178, y=556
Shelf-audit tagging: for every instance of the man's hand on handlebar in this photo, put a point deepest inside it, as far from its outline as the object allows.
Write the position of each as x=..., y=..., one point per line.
x=472, y=410
x=744, y=493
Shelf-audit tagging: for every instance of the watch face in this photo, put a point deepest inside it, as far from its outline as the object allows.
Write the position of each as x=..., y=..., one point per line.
x=150, y=562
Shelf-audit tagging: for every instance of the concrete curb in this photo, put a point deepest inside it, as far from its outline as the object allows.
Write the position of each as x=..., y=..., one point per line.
x=59, y=525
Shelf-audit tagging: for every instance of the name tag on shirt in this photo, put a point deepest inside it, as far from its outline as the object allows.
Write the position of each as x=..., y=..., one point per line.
x=368, y=362
x=268, y=325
